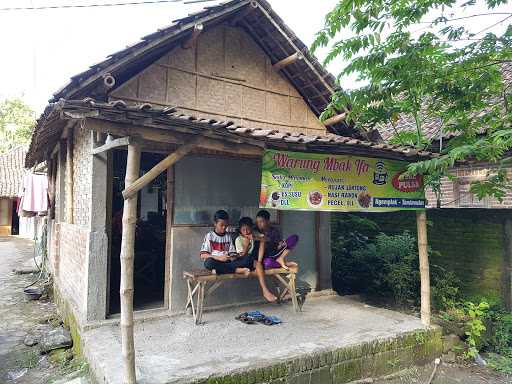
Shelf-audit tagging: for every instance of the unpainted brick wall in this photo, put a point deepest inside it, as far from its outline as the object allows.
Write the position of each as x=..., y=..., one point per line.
x=72, y=259
x=470, y=243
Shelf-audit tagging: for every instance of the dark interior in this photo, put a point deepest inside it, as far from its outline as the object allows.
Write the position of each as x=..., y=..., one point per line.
x=149, y=268
x=15, y=220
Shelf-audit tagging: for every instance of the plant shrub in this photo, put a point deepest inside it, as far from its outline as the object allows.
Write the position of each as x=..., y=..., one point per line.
x=366, y=261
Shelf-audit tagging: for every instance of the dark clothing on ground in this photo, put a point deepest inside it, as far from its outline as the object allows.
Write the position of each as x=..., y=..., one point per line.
x=226, y=267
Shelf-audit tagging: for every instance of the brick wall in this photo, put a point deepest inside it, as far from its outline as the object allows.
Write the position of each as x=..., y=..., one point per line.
x=456, y=194
x=82, y=168
x=470, y=243
x=72, y=274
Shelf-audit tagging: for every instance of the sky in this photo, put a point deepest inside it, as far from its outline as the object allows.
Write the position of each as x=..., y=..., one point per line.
x=42, y=49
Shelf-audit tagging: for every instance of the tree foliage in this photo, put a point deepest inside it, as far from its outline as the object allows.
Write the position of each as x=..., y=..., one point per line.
x=449, y=71
x=17, y=121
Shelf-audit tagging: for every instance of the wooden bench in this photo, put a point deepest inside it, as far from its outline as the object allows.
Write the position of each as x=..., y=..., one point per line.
x=202, y=283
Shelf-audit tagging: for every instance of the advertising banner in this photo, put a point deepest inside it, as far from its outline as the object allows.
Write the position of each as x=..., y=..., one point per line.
x=323, y=182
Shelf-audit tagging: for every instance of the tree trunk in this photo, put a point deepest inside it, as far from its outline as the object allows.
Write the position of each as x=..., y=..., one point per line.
x=127, y=257
x=421, y=221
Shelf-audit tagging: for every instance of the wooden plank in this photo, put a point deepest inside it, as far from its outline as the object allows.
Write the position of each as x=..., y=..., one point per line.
x=116, y=143
x=288, y=61
x=127, y=259
x=421, y=222
x=149, y=176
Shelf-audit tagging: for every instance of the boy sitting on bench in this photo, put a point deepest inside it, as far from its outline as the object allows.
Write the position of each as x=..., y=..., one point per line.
x=218, y=250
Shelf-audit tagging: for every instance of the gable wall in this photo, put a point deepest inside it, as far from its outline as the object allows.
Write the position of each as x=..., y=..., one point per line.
x=226, y=76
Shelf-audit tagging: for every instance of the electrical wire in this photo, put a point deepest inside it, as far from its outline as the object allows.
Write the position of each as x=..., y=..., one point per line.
x=97, y=5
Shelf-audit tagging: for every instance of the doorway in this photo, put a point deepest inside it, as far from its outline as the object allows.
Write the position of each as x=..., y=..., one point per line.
x=150, y=239
x=15, y=219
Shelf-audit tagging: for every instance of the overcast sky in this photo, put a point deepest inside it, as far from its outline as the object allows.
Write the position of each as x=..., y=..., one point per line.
x=41, y=49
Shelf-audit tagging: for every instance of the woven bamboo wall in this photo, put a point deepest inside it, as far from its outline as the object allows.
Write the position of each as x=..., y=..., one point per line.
x=226, y=76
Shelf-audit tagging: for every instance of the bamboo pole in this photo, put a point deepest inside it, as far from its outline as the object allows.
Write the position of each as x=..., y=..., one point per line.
x=421, y=222
x=127, y=257
x=335, y=119
x=287, y=61
x=69, y=177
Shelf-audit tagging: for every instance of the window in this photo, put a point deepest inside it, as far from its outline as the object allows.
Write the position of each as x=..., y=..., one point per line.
x=206, y=184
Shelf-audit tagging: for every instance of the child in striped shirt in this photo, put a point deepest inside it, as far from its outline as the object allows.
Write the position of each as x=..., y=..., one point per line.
x=218, y=250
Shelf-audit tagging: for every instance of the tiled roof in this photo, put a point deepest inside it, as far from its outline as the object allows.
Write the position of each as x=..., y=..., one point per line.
x=170, y=119
x=431, y=125
x=256, y=17
x=12, y=171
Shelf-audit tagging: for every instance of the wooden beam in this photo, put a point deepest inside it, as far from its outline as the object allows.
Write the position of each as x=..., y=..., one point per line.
x=116, y=143
x=335, y=119
x=127, y=258
x=69, y=176
x=131, y=190
x=157, y=135
x=421, y=222
x=198, y=29
x=288, y=60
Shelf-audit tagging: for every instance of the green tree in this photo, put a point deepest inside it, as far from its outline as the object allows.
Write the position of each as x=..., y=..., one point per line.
x=17, y=121
x=446, y=69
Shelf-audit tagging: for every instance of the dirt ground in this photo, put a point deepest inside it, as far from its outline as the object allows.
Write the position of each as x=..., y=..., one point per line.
x=20, y=364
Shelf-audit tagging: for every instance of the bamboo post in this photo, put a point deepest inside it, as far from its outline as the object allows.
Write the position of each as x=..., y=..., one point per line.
x=421, y=222
x=69, y=177
x=127, y=257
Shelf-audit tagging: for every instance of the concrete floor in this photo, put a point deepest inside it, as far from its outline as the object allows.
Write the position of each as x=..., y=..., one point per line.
x=174, y=350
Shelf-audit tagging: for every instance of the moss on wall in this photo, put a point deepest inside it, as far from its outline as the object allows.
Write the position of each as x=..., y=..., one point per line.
x=69, y=319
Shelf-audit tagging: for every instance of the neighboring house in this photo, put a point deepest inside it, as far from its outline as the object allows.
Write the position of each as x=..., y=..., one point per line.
x=12, y=171
x=473, y=237
x=455, y=194
x=233, y=74
x=11, y=177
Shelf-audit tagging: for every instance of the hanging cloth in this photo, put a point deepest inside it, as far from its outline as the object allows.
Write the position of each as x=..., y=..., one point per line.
x=34, y=195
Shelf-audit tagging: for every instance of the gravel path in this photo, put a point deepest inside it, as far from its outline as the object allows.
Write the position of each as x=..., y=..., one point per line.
x=20, y=317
